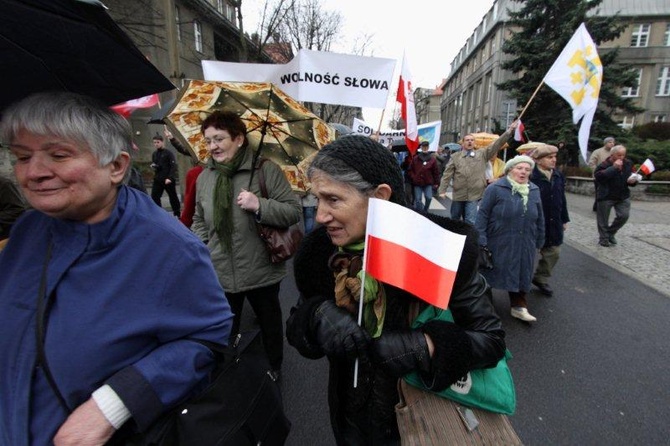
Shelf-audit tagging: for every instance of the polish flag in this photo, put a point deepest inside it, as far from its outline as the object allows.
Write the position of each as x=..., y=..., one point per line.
x=405, y=96
x=126, y=108
x=407, y=250
x=518, y=132
x=647, y=167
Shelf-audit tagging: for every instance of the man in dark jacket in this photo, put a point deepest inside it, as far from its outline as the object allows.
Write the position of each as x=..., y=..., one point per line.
x=424, y=175
x=555, y=209
x=164, y=164
x=613, y=176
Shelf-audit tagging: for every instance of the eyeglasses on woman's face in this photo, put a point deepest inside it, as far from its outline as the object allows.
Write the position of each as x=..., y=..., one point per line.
x=218, y=139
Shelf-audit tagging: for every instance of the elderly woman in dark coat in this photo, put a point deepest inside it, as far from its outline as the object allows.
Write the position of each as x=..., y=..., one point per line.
x=344, y=175
x=555, y=209
x=511, y=224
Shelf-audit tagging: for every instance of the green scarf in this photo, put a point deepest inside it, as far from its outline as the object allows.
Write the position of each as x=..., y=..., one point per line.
x=521, y=189
x=374, y=298
x=223, y=198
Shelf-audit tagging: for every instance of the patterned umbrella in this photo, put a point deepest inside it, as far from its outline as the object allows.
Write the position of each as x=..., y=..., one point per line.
x=278, y=127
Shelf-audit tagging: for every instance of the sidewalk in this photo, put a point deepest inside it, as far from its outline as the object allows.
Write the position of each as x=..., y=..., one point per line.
x=643, y=251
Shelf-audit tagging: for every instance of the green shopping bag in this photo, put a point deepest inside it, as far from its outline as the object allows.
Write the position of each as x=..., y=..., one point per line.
x=489, y=389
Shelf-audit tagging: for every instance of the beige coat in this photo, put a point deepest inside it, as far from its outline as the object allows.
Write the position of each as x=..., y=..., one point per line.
x=469, y=172
x=598, y=156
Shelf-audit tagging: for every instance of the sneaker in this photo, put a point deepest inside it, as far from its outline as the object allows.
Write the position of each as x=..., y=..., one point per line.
x=544, y=288
x=522, y=313
x=604, y=243
x=612, y=240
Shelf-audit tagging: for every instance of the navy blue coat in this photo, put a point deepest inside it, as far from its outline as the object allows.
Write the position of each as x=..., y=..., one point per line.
x=554, y=205
x=512, y=235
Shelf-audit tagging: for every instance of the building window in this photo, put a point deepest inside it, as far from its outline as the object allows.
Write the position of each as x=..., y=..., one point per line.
x=663, y=82
x=219, y=6
x=178, y=22
x=230, y=12
x=640, y=35
x=667, y=34
x=627, y=122
x=197, y=33
x=633, y=91
x=660, y=118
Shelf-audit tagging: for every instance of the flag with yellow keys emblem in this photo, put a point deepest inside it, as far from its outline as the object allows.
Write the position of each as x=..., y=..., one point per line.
x=577, y=76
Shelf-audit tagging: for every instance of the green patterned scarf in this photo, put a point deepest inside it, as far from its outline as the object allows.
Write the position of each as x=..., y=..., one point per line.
x=223, y=198
x=374, y=298
x=521, y=189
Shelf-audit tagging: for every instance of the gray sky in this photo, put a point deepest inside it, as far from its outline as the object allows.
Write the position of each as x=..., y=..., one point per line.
x=430, y=32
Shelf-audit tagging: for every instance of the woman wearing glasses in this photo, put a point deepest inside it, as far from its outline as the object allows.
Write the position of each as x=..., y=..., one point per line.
x=227, y=209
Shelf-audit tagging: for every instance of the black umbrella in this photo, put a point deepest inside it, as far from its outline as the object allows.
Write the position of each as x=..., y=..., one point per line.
x=160, y=114
x=71, y=45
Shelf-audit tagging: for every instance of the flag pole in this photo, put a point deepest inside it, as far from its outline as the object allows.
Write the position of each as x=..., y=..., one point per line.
x=361, y=298
x=530, y=100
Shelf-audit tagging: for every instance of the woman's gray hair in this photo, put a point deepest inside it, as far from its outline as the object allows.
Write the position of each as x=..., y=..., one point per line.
x=339, y=171
x=70, y=116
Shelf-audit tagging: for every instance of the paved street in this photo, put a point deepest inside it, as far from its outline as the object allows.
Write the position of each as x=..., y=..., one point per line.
x=591, y=371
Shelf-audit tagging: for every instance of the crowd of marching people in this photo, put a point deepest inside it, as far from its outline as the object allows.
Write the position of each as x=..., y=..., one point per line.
x=73, y=218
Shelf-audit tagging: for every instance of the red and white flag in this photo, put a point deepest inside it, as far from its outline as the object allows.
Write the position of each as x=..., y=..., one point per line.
x=647, y=167
x=126, y=108
x=518, y=132
x=405, y=96
x=407, y=250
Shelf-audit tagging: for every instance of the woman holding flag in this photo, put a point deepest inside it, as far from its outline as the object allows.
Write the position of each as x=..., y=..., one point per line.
x=367, y=359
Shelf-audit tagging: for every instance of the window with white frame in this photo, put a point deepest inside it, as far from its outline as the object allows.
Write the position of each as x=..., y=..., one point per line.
x=640, y=36
x=660, y=118
x=197, y=34
x=627, y=122
x=667, y=34
x=219, y=6
x=177, y=19
x=663, y=82
x=628, y=92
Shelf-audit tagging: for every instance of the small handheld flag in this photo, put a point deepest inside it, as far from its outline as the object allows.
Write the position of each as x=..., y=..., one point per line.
x=407, y=250
x=647, y=167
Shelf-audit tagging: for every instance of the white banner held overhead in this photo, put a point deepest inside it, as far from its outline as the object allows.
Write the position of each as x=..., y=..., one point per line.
x=316, y=76
x=429, y=131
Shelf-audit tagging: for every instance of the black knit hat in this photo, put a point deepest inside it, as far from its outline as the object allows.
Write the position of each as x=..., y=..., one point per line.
x=373, y=161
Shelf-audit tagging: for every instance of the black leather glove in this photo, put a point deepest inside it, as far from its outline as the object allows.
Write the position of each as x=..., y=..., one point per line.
x=399, y=353
x=337, y=332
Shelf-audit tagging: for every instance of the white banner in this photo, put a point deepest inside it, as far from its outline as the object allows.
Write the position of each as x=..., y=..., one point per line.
x=429, y=131
x=316, y=76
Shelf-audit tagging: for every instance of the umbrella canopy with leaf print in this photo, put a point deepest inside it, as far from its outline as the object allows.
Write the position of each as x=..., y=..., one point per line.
x=278, y=127
x=483, y=140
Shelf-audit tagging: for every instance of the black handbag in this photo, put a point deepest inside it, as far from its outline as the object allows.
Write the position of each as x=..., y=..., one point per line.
x=241, y=406
x=281, y=243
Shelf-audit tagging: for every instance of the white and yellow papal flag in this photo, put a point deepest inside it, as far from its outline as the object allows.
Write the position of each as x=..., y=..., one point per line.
x=577, y=76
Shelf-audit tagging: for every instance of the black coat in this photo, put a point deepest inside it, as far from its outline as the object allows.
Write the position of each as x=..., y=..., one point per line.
x=165, y=164
x=554, y=205
x=612, y=183
x=476, y=340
